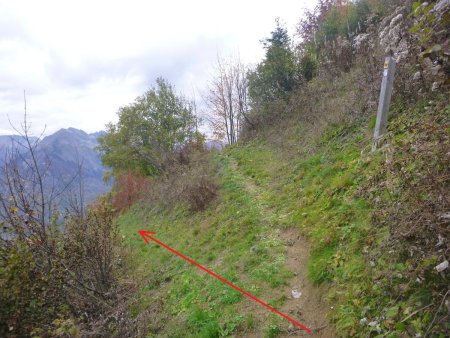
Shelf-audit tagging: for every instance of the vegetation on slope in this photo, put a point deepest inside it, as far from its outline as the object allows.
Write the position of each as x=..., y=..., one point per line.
x=371, y=255
x=374, y=233
x=378, y=222
x=232, y=237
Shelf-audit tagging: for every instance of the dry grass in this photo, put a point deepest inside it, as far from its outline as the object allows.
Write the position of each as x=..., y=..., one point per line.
x=190, y=183
x=323, y=102
x=416, y=175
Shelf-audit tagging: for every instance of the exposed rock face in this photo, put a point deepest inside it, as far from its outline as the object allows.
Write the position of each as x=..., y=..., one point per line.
x=360, y=41
x=420, y=39
x=390, y=34
x=393, y=35
x=435, y=52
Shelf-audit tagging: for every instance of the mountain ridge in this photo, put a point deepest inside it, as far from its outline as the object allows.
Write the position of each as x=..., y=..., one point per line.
x=72, y=154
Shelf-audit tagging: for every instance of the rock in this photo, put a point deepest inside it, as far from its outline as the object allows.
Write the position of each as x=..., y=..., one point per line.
x=435, y=70
x=417, y=76
x=441, y=5
x=396, y=20
x=446, y=47
x=441, y=267
x=435, y=86
x=427, y=62
x=441, y=240
x=392, y=35
x=363, y=321
x=373, y=324
x=359, y=40
x=436, y=48
x=296, y=294
x=383, y=33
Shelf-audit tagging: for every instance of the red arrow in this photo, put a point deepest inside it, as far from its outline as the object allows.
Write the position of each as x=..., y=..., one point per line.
x=146, y=236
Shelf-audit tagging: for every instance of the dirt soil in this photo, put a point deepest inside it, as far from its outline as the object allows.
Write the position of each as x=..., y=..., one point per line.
x=310, y=309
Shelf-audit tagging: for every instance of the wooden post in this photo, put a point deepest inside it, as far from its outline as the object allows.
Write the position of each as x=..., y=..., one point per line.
x=385, y=100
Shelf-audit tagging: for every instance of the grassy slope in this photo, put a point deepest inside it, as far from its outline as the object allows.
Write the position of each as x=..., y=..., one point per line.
x=233, y=238
x=324, y=195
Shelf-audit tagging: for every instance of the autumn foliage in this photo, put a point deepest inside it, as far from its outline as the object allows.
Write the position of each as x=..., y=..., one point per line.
x=128, y=189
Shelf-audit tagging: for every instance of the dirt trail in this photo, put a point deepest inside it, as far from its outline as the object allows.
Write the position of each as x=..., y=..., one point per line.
x=310, y=309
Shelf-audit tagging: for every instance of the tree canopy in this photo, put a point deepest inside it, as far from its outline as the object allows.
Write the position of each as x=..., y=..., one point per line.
x=148, y=132
x=275, y=76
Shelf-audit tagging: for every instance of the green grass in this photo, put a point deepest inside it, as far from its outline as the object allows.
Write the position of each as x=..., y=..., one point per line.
x=236, y=236
x=233, y=238
x=318, y=195
x=325, y=196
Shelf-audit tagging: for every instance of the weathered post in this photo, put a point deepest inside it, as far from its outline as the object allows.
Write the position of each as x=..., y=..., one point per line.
x=385, y=100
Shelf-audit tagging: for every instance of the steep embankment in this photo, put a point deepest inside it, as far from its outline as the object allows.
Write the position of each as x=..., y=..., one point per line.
x=366, y=257
x=376, y=221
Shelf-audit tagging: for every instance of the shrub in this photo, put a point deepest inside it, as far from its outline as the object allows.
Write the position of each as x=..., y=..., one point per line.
x=89, y=246
x=128, y=187
x=199, y=192
x=191, y=184
x=61, y=283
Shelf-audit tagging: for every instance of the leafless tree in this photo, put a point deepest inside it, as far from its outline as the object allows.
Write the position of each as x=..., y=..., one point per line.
x=75, y=201
x=28, y=191
x=226, y=99
x=76, y=262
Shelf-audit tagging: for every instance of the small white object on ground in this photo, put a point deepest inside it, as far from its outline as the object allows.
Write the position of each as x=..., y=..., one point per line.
x=296, y=294
x=441, y=240
x=443, y=266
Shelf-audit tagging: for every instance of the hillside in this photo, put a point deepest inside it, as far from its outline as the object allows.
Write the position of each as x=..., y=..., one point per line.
x=271, y=209
x=303, y=203
x=304, y=224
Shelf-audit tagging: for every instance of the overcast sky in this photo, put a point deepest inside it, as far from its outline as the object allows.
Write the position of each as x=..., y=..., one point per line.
x=79, y=61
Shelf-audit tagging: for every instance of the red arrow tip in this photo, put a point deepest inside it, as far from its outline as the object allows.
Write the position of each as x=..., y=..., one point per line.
x=146, y=234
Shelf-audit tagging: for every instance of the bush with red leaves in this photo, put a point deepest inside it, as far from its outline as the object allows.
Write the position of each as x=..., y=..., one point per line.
x=128, y=190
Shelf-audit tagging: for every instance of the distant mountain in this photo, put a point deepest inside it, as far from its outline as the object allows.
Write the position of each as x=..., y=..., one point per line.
x=5, y=144
x=214, y=144
x=70, y=152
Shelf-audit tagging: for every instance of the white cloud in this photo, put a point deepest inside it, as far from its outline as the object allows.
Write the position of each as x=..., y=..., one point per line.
x=79, y=61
